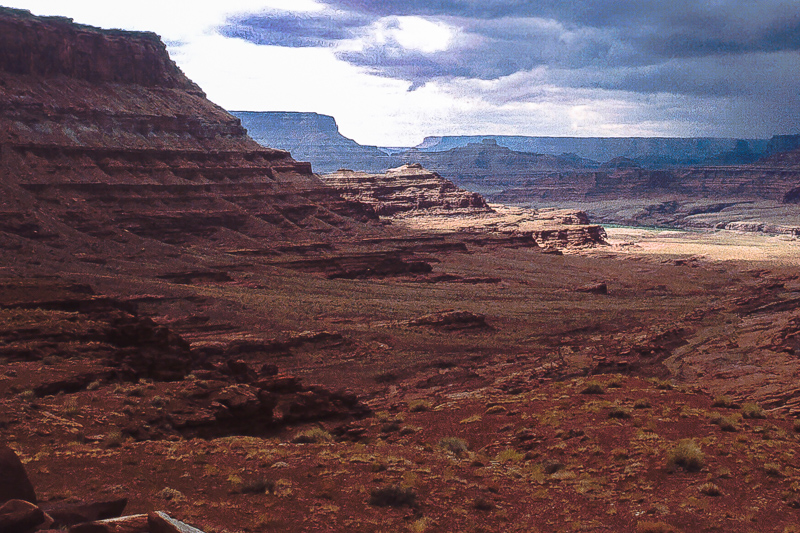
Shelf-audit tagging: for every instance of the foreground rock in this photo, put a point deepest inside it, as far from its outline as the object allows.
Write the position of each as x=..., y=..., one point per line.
x=15, y=483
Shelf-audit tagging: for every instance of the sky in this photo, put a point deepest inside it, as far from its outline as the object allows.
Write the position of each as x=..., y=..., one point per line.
x=394, y=71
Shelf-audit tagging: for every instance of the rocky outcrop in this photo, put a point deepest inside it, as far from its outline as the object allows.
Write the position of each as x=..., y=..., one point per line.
x=406, y=188
x=55, y=46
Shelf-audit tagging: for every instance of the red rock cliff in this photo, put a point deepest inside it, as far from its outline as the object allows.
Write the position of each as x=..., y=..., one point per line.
x=104, y=142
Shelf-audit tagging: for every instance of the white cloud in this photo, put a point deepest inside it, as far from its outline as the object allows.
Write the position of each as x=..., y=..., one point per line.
x=172, y=19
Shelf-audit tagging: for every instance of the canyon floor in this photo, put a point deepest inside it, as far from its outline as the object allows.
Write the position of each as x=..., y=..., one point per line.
x=556, y=396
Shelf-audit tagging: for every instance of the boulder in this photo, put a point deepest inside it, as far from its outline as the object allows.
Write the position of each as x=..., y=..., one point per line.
x=20, y=516
x=126, y=524
x=14, y=482
x=65, y=515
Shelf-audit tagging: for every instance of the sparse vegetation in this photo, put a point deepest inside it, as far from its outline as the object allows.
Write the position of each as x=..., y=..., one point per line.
x=773, y=470
x=710, y=489
x=592, y=387
x=419, y=406
x=726, y=423
x=642, y=403
x=312, y=436
x=27, y=395
x=113, y=439
x=654, y=527
x=619, y=412
x=393, y=496
x=454, y=445
x=509, y=455
x=752, y=410
x=723, y=401
x=257, y=486
x=170, y=494
x=482, y=504
x=687, y=455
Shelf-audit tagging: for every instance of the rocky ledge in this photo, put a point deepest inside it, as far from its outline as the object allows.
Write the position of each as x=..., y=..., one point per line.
x=406, y=188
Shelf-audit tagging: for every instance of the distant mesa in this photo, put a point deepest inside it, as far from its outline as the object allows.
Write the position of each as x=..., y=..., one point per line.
x=314, y=138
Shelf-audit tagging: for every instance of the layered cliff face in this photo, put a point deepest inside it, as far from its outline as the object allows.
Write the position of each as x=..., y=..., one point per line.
x=652, y=152
x=487, y=164
x=406, y=188
x=314, y=138
x=104, y=143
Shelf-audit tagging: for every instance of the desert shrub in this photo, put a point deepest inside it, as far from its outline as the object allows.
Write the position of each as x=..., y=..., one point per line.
x=257, y=486
x=158, y=401
x=496, y=410
x=551, y=466
x=113, y=439
x=171, y=494
x=642, y=403
x=393, y=496
x=654, y=527
x=71, y=406
x=723, y=401
x=662, y=384
x=709, y=489
x=482, y=504
x=509, y=455
x=454, y=445
x=94, y=385
x=752, y=410
x=619, y=412
x=687, y=455
x=27, y=395
x=615, y=383
x=773, y=470
x=312, y=436
x=726, y=423
x=592, y=387
x=419, y=406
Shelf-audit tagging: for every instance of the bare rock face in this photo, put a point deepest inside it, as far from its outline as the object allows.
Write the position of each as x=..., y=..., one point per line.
x=406, y=188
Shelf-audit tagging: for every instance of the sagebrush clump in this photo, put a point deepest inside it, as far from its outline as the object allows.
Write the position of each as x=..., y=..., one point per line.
x=687, y=455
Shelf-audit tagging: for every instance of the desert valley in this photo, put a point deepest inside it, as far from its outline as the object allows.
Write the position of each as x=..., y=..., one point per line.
x=474, y=334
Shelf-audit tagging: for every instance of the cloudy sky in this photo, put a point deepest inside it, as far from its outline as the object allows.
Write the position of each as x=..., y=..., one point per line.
x=394, y=71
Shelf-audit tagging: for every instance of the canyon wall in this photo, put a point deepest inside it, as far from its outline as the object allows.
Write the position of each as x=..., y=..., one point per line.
x=105, y=142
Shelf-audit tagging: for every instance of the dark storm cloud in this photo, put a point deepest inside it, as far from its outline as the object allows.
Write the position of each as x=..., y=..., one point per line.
x=643, y=46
